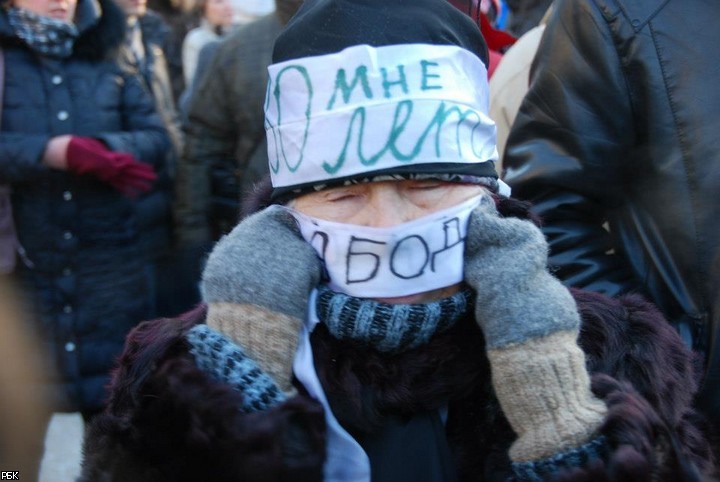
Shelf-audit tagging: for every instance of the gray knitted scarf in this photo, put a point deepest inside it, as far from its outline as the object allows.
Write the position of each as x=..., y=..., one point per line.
x=45, y=35
x=389, y=328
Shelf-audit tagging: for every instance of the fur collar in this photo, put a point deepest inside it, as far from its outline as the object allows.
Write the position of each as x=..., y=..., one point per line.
x=160, y=397
x=426, y=378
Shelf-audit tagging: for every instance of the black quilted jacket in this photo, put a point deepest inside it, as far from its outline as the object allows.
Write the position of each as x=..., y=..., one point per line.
x=88, y=281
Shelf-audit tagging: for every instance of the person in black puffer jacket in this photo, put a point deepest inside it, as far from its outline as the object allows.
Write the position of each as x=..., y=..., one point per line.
x=80, y=140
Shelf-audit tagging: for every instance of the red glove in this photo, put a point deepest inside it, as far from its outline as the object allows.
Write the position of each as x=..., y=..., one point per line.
x=122, y=171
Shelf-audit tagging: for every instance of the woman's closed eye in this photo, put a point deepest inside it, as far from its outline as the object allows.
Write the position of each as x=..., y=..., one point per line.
x=342, y=194
x=425, y=193
x=425, y=185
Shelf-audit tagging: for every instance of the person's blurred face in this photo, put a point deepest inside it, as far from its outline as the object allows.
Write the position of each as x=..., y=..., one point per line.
x=386, y=204
x=219, y=12
x=133, y=8
x=63, y=10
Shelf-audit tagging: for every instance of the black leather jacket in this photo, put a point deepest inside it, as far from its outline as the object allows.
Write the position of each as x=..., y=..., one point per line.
x=621, y=128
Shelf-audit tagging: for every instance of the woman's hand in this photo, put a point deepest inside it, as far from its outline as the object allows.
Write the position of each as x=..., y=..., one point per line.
x=55, y=155
x=530, y=322
x=85, y=155
x=121, y=170
x=257, y=284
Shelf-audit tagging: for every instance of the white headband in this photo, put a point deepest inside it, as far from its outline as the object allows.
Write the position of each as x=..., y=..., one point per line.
x=367, y=109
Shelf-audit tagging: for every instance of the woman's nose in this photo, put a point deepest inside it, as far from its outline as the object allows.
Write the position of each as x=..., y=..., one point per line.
x=388, y=208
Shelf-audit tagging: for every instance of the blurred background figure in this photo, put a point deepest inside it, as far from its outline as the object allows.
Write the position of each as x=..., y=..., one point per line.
x=180, y=16
x=144, y=50
x=146, y=41
x=523, y=15
x=246, y=11
x=80, y=141
x=226, y=151
x=485, y=14
x=24, y=409
x=616, y=144
x=204, y=59
x=510, y=83
x=216, y=18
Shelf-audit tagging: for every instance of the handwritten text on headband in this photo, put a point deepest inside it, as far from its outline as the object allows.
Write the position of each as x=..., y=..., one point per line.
x=401, y=105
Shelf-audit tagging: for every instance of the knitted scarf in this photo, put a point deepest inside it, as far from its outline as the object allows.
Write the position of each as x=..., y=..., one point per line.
x=389, y=328
x=45, y=35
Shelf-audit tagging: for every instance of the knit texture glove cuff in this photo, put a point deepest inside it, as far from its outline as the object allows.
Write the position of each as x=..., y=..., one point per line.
x=531, y=323
x=269, y=338
x=570, y=460
x=225, y=361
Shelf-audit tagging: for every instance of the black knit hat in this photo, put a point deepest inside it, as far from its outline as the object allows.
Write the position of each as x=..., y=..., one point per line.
x=322, y=51
x=327, y=26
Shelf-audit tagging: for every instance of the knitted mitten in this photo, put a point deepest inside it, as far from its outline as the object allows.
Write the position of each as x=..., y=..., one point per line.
x=531, y=324
x=257, y=282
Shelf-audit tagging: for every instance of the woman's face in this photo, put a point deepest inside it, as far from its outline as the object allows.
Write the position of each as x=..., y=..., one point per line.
x=386, y=204
x=219, y=12
x=63, y=10
x=133, y=8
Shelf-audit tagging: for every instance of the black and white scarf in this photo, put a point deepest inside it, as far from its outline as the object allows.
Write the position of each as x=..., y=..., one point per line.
x=389, y=328
x=45, y=35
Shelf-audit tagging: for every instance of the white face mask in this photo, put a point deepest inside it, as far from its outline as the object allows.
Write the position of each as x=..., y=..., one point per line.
x=421, y=255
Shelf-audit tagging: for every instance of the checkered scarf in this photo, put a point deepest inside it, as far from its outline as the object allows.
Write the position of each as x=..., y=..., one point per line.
x=45, y=35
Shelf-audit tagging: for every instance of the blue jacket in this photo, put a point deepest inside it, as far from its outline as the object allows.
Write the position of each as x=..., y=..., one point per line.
x=87, y=276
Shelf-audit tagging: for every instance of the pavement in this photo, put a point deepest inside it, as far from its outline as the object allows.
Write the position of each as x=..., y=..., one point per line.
x=63, y=442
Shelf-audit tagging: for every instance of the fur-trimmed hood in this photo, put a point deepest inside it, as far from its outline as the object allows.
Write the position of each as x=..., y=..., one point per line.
x=101, y=24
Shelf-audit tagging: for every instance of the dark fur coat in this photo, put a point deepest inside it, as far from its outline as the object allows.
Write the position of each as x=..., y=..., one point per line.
x=168, y=421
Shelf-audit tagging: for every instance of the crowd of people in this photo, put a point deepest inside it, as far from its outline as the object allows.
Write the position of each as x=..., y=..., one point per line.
x=362, y=240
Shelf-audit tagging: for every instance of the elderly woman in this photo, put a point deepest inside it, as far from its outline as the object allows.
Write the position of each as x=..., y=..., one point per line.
x=391, y=317
x=79, y=140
